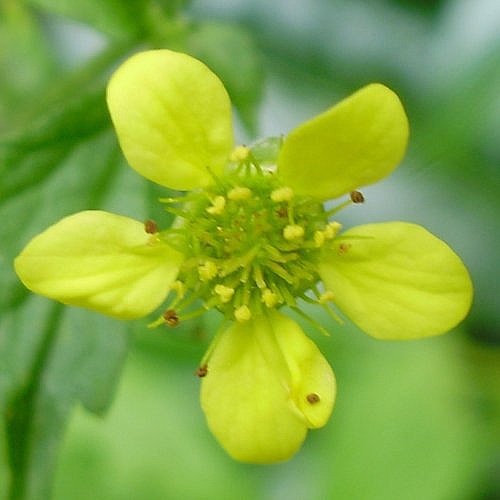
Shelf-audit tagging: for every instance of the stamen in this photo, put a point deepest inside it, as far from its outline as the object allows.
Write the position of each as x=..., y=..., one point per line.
x=150, y=226
x=289, y=298
x=245, y=274
x=239, y=193
x=343, y=248
x=218, y=204
x=282, y=212
x=314, y=323
x=282, y=194
x=239, y=153
x=214, y=342
x=319, y=238
x=258, y=277
x=280, y=271
x=179, y=288
x=207, y=271
x=243, y=257
x=202, y=371
x=332, y=229
x=242, y=313
x=333, y=314
x=336, y=209
x=325, y=297
x=269, y=298
x=313, y=398
x=171, y=318
x=157, y=322
x=293, y=232
x=224, y=292
x=357, y=197
x=196, y=312
x=277, y=291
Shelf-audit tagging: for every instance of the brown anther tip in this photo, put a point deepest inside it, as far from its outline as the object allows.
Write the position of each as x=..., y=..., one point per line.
x=150, y=227
x=171, y=318
x=357, y=197
x=312, y=398
x=343, y=247
x=201, y=371
x=282, y=212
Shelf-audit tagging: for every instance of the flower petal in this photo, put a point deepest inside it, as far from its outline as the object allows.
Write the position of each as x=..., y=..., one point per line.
x=397, y=281
x=357, y=142
x=310, y=372
x=173, y=118
x=100, y=261
x=255, y=393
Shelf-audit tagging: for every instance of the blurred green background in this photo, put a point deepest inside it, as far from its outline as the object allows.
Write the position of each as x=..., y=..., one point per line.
x=102, y=409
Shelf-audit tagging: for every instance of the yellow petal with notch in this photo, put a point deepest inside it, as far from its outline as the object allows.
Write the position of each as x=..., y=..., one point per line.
x=357, y=142
x=173, y=118
x=396, y=280
x=101, y=261
x=255, y=395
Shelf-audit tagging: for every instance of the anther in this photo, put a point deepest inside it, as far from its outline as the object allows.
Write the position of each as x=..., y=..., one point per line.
x=224, y=292
x=282, y=212
x=242, y=313
x=293, y=232
x=207, y=271
x=218, y=204
x=150, y=227
x=171, y=318
x=269, y=298
x=202, y=371
x=282, y=194
x=239, y=193
x=325, y=297
x=343, y=248
x=332, y=229
x=357, y=197
x=319, y=238
x=179, y=287
x=313, y=398
x=239, y=153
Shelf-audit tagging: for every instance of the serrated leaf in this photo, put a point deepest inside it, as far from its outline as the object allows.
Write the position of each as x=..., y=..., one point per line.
x=231, y=53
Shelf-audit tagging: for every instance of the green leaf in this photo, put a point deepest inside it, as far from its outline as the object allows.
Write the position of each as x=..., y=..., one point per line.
x=29, y=157
x=115, y=18
x=50, y=368
x=4, y=466
x=48, y=362
x=25, y=59
x=230, y=52
x=64, y=160
x=45, y=133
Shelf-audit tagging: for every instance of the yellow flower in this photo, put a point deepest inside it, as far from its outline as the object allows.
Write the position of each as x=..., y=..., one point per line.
x=252, y=240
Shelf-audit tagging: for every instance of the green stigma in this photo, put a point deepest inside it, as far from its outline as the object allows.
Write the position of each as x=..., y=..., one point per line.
x=250, y=242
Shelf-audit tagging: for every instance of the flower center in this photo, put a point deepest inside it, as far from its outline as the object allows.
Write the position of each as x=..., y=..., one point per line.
x=249, y=241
